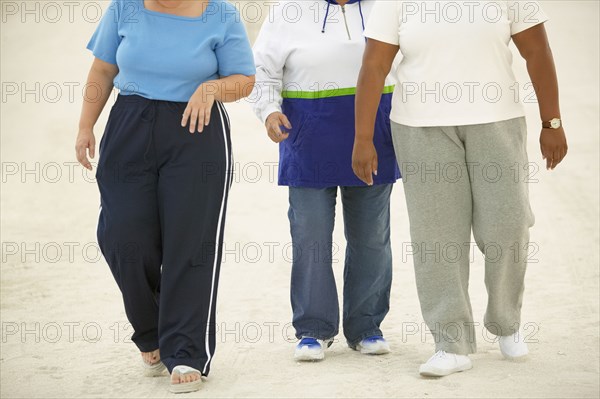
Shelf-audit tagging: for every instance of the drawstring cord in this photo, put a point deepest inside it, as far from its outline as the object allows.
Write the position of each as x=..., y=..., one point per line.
x=326, y=15
x=362, y=18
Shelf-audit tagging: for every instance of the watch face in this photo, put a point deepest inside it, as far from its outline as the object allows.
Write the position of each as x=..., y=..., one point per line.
x=555, y=123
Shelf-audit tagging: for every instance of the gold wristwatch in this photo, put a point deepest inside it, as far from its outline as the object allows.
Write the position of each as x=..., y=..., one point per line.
x=555, y=123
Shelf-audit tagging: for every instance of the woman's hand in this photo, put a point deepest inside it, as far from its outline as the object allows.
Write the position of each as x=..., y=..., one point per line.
x=84, y=145
x=273, y=124
x=364, y=160
x=553, y=144
x=198, y=109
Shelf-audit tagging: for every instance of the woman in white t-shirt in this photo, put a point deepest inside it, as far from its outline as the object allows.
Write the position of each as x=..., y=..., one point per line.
x=460, y=138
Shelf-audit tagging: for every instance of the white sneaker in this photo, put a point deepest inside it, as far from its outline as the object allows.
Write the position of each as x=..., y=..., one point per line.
x=376, y=345
x=513, y=346
x=311, y=349
x=442, y=364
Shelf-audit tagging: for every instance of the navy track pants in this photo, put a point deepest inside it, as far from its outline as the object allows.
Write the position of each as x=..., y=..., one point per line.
x=163, y=204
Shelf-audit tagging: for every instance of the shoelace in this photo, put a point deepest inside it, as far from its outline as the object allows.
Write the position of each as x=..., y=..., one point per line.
x=438, y=355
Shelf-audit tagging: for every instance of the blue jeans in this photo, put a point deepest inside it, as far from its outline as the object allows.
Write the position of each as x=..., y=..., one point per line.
x=368, y=264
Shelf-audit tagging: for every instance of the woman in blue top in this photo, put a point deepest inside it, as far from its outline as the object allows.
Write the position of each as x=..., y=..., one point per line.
x=163, y=185
x=307, y=69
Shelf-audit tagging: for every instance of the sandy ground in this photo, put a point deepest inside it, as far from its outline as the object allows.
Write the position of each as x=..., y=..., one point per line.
x=64, y=331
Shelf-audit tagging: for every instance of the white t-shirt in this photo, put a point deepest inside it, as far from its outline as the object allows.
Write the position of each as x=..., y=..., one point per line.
x=457, y=66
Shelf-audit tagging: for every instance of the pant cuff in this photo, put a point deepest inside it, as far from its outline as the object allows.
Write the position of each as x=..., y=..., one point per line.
x=198, y=364
x=458, y=348
x=147, y=346
x=322, y=337
x=353, y=342
x=502, y=330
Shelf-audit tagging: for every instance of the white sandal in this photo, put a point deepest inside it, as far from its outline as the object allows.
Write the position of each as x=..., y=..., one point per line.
x=154, y=370
x=186, y=386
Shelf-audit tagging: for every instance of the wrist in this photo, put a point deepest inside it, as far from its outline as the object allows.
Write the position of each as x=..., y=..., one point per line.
x=272, y=115
x=269, y=111
x=207, y=90
x=363, y=138
x=552, y=123
x=86, y=128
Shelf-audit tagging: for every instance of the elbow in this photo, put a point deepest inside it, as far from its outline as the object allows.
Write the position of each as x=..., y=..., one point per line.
x=374, y=70
x=248, y=83
x=105, y=69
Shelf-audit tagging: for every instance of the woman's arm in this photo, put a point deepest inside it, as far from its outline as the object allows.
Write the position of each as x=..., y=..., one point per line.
x=231, y=88
x=227, y=89
x=97, y=90
x=376, y=65
x=534, y=48
x=271, y=51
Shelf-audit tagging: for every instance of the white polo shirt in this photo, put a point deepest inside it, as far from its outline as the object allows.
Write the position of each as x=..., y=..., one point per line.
x=457, y=66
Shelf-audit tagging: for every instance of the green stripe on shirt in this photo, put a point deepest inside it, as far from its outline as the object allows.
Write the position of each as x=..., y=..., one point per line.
x=313, y=95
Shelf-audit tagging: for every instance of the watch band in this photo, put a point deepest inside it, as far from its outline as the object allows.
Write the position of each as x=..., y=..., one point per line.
x=555, y=123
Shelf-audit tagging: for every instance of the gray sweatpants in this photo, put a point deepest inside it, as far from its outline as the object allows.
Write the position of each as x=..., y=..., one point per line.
x=458, y=179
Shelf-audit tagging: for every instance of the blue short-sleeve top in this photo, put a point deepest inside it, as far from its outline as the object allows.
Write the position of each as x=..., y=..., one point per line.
x=166, y=57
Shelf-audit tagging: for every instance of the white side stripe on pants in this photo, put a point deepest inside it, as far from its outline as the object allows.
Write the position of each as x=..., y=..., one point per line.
x=222, y=114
